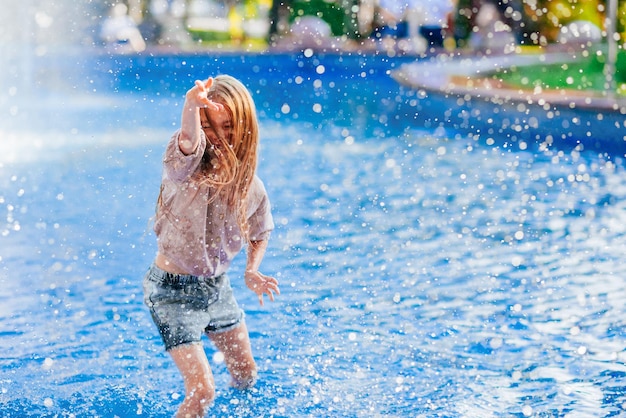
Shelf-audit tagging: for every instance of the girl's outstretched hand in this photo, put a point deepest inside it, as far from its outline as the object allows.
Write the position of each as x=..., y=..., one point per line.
x=261, y=284
x=198, y=95
x=195, y=98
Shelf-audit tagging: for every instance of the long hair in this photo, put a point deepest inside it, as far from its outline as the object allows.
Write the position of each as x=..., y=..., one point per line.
x=229, y=167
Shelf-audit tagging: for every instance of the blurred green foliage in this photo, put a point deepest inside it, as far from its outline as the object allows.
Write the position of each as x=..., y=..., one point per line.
x=584, y=74
x=339, y=15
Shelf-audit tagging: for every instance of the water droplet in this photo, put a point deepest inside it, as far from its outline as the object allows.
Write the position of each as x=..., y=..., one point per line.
x=47, y=363
x=495, y=342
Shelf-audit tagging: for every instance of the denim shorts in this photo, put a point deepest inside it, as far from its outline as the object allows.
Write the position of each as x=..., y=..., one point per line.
x=184, y=306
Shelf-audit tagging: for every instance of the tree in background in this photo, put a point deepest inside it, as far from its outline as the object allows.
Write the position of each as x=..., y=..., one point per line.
x=535, y=22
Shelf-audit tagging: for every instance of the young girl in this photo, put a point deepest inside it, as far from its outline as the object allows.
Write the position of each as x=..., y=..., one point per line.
x=211, y=204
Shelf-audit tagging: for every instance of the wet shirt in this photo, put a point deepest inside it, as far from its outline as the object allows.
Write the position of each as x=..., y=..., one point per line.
x=199, y=236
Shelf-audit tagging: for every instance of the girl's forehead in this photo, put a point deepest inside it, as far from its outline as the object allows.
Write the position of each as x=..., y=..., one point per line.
x=221, y=116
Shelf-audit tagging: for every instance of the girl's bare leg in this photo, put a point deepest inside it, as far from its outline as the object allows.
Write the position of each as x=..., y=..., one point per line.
x=235, y=345
x=199, y=383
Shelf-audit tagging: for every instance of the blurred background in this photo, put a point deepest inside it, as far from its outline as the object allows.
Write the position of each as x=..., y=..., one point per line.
x=260, y=24
x=36, y=29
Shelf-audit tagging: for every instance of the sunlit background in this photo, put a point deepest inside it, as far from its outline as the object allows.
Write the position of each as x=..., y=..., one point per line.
x=450, y=218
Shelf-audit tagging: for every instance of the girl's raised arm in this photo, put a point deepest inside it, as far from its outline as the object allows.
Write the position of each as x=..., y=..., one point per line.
x=196, y=98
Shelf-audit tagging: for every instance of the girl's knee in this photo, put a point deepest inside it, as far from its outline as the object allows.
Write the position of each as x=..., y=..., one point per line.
x=197, y=401
x=206, y=395
x=201, y=391
x=207, y=388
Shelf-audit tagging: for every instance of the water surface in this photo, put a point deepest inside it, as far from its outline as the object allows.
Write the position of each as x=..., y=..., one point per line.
x=423, y=272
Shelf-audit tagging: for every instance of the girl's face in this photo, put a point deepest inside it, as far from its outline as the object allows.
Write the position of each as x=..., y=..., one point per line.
x=215, y=124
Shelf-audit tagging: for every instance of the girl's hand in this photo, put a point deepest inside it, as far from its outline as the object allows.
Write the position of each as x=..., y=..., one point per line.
x=261, y=284
x=197, y=96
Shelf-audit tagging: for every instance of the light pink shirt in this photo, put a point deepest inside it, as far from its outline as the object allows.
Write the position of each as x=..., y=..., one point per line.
x=198, y=237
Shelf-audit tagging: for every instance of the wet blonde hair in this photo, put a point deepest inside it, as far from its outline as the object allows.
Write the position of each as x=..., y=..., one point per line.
x=229, y=167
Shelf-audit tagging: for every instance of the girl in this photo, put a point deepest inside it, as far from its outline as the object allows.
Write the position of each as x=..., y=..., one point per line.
x=210, y=204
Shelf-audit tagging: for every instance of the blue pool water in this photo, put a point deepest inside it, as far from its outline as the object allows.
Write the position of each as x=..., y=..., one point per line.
x=423, y=272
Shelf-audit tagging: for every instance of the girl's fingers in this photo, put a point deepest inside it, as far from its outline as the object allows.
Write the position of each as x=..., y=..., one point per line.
x=272, y=284
x=270, y=290
x=270, y=279
x=275, y=288
x=266, y=285
x=203, y=92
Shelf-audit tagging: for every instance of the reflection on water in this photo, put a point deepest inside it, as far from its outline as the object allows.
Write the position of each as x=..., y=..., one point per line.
x=422, y=273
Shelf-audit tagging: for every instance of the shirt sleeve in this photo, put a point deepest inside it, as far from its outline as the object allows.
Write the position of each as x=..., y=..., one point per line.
x=260, y=218
x=178, y=166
